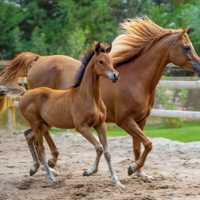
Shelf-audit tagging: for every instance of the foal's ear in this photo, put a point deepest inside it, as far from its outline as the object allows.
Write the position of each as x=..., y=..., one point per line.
x=97, y=47
x=108, y=49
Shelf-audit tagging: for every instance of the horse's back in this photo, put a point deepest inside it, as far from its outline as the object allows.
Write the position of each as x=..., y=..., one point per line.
x=57, y=71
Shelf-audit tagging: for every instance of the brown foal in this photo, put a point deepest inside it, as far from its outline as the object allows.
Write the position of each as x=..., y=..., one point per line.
x=80, y=108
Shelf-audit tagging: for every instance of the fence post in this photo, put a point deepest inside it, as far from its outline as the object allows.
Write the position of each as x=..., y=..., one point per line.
x=11, y=125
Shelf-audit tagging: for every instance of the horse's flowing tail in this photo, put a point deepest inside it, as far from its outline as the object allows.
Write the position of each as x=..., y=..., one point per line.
x=17, y=67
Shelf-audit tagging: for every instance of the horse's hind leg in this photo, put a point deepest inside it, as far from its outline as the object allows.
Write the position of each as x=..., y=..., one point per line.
x=86, y=133
x=136, y=132
x=54, y=151
x=101, y=130
x=30, y=140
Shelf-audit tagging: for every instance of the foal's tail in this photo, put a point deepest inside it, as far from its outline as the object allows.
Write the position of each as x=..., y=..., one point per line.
x=17, y=67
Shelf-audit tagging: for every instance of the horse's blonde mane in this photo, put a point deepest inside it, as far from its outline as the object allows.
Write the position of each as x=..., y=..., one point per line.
x=139, y=33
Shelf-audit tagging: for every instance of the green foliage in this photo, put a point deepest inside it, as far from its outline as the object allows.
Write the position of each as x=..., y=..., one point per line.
x=70, y=26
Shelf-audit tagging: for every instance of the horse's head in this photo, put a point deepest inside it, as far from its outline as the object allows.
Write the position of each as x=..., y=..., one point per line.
x=103, y=65
x=182, y=52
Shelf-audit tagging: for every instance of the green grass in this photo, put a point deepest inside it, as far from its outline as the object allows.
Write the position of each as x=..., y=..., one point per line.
x=190, y=131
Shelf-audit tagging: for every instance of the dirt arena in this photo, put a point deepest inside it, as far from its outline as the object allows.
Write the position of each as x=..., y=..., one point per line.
x=174, y=166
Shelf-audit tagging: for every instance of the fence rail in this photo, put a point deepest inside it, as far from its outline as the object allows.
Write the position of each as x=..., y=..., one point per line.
x=180, y=84
x=183, y=114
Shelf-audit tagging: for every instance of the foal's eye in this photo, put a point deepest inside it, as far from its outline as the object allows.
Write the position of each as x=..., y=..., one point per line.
x=101, y=62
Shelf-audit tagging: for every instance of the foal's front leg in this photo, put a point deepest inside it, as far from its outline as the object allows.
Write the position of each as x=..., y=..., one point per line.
x=86, y=133
x=54, y=151
x=30, y=140
x=101, y=130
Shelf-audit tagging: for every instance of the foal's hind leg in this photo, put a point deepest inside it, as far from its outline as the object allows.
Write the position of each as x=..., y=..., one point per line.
x=86, y=133
x=53, y=149
x=30, y=140
x=101, y=130
x=41, y=152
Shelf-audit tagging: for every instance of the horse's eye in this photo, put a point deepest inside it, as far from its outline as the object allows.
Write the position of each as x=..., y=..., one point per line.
x=186, y=49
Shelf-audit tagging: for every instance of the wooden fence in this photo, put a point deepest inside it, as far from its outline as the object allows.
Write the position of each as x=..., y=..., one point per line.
x=190, y=115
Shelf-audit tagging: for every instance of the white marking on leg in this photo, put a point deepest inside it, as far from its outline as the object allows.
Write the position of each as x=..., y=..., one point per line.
x=114, y=177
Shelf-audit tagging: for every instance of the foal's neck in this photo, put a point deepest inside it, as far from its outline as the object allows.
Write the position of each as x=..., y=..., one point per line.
x=89, y=87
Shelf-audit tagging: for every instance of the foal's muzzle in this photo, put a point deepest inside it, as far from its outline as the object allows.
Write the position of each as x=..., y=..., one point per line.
x=114, y=76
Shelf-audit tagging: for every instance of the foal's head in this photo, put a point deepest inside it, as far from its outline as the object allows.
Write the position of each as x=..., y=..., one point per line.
x=182, y=52
x=103, y=65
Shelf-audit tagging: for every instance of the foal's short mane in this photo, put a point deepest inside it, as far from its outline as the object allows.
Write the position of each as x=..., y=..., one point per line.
x=84, y=63
x=138, y=34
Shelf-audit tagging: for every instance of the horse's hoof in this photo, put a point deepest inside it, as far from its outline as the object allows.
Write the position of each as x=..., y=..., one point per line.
x=86, y=173
x=51, y=163
x=132, y=169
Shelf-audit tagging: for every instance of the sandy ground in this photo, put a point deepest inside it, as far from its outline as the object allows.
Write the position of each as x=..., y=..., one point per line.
x=174, y=166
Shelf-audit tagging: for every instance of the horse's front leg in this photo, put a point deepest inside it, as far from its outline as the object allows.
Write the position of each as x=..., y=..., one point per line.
x=86, y=133
x=101, y=130
x=138, y=136
x=30, y=141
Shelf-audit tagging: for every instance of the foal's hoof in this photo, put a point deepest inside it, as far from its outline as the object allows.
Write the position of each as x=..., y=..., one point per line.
x=32, y=171
x=52, y=180
x=51, y=163
x=132, y=169
x=89, y=172
x=120, y=186
x=143, y=176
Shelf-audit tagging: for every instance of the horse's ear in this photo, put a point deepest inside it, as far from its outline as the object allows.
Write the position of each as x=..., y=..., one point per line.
x=108, y=49
x=189, y=30
x=97, y=47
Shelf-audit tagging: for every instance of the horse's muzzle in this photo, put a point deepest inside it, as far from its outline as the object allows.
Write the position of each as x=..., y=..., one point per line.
x=196, y=67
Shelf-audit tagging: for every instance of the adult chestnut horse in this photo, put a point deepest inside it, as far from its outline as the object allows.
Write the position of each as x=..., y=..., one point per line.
x=140, y=55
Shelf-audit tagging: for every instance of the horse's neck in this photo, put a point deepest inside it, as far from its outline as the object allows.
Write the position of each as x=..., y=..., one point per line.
x=89, y=88
x=152, y=64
